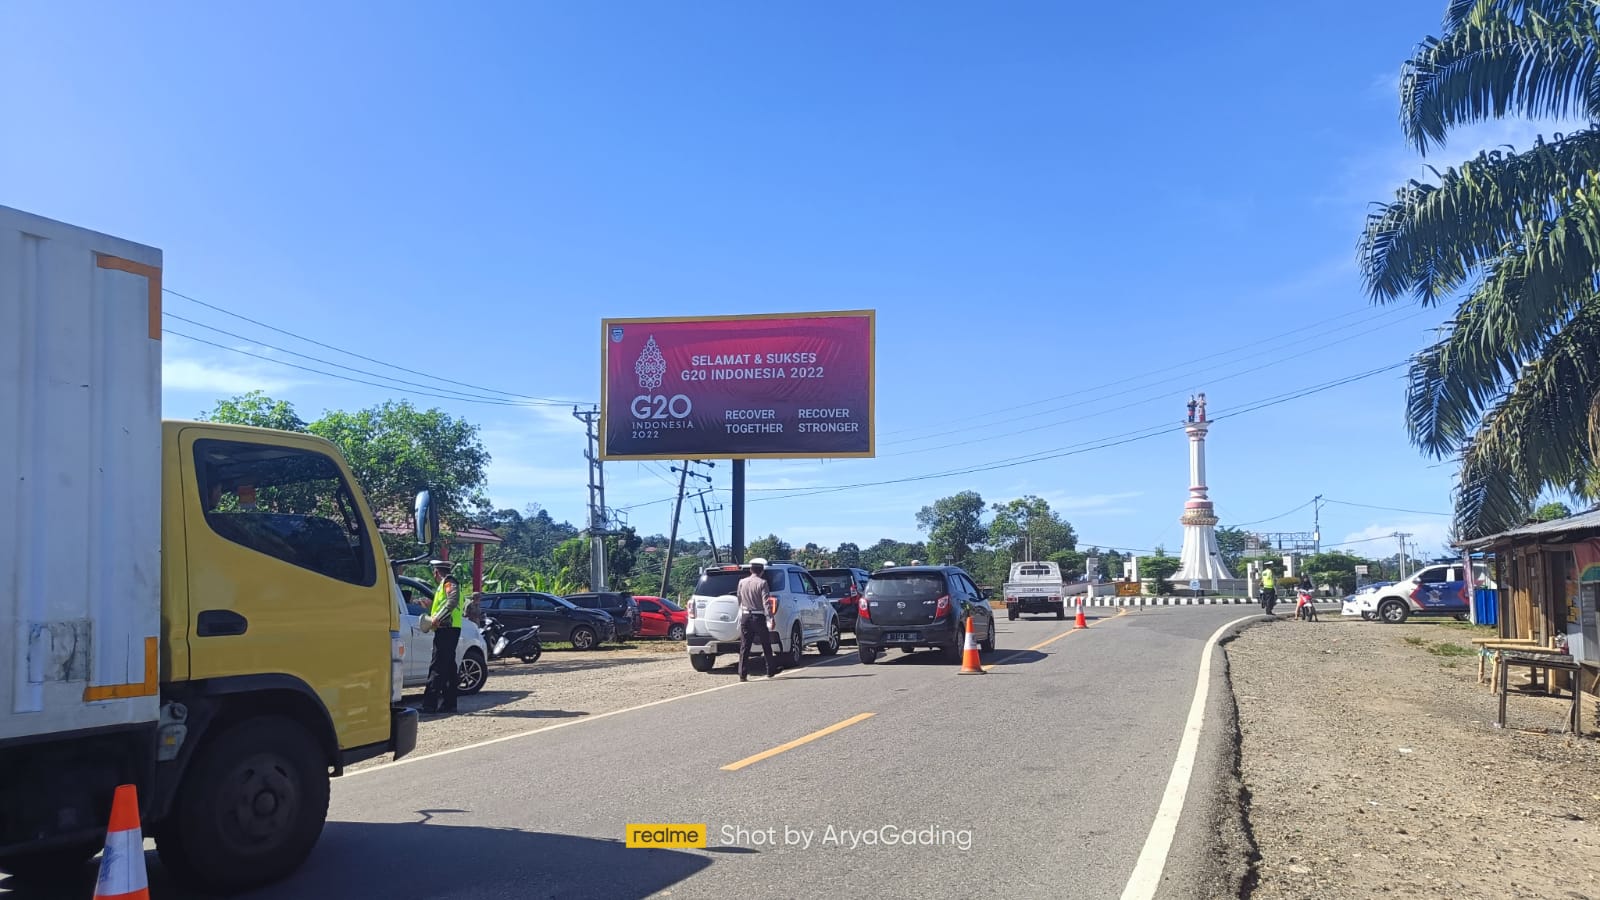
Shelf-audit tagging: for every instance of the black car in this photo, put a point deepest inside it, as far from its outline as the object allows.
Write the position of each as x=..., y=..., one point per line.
x=620, y=607
x=843, y=588
x=922, y=606
x=557, y=619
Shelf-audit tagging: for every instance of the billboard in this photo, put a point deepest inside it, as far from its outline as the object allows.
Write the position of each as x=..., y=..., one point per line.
x=787, y=385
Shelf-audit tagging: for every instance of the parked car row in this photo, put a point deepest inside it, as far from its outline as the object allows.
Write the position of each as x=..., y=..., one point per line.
x=907, y=607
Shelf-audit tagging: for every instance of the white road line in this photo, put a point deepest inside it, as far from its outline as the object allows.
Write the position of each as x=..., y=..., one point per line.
x=522, y=734
x=1152, y=862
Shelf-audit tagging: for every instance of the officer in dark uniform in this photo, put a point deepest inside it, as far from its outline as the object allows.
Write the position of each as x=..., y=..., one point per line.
x=445, y=619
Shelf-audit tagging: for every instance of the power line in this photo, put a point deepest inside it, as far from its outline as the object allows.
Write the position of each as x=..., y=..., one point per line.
x=300, y=337
x=1273, y=518
x=1420, y=512
x=291, y=365
x=1207, y=365
x=328, y=362
x=1089, y=400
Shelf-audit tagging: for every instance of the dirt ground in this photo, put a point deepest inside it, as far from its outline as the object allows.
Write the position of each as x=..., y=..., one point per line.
x=1372, y=767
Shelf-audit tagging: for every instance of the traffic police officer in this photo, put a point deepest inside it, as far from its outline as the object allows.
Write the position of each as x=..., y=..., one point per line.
x=756, y=603
x=440, y=695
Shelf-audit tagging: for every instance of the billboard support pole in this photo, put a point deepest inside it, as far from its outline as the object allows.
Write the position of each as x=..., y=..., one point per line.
x=738, y=511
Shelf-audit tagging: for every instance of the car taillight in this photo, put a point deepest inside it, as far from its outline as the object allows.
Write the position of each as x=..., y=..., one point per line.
x=690, y=609
x=943, y=608
x=862, y=608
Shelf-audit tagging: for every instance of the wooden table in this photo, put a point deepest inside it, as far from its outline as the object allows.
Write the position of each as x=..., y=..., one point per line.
x=1538, y=658
x=1489, y=646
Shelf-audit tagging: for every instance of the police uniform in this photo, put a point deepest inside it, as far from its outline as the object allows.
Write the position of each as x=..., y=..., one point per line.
x=756, y=603
x=1269, y=593
x=440, y=695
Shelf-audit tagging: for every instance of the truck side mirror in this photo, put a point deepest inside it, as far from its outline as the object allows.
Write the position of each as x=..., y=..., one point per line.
x=427, y=517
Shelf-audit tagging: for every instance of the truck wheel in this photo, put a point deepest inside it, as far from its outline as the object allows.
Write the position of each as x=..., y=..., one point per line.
x=250, y=808
x=1394, y=612
x=702, y=662
x=1061, y=612
x=62, y=864
x=1011, y=613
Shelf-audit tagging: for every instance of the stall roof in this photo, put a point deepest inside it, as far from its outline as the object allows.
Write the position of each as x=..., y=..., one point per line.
x=1581, y=522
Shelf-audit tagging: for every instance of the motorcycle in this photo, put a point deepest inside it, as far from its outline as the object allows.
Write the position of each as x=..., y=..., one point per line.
x=522, y=643
x=1305, y=606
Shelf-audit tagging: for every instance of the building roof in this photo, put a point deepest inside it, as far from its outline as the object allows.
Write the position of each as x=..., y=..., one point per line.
x=1583, y=521
x=469, y=535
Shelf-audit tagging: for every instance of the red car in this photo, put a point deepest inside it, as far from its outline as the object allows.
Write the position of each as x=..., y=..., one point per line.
x=660, y=617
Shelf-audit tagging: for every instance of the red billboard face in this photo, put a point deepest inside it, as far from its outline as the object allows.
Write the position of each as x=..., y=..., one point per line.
x=786, y=386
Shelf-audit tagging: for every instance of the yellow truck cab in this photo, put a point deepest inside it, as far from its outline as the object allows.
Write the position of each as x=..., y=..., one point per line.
x=204, y=611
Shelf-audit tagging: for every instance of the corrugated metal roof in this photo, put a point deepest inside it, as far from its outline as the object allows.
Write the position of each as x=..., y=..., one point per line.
x=1580, y=522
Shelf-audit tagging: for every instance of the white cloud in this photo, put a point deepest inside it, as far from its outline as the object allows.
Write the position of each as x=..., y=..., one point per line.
x=183, y=373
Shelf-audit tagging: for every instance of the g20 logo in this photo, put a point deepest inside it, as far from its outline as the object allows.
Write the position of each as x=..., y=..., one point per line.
x=660, y=406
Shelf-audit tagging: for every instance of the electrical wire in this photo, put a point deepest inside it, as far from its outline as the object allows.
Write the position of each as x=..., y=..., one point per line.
x=326, y=362
x=420, y=393
x=1274, y=518
x=1419, y=512
x=301, y=337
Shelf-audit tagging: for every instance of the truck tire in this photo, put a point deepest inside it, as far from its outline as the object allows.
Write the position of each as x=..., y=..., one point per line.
x=250, y=808
x=1011, y=612
x=60, y=864
x=703, y=662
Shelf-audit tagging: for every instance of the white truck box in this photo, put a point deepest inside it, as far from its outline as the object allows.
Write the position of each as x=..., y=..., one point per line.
x=80, y=496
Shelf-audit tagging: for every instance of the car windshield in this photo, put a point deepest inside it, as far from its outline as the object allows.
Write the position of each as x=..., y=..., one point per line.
x=562, y=601
x=669, y=604
x=839, y=582
x=906, y=586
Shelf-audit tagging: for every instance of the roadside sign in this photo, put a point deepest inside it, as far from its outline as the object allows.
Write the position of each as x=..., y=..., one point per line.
x=1194, y=584
x=1361, y=570
x=1127, y=589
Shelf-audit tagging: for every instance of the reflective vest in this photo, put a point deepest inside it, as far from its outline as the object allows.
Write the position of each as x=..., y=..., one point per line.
x=440, y=600
x=1268, y=580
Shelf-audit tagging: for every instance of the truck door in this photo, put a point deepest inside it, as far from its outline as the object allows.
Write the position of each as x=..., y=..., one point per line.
x=284, y=582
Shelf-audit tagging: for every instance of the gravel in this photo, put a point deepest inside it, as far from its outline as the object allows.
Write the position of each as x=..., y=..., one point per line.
x=1372, y=767
x=562, y=684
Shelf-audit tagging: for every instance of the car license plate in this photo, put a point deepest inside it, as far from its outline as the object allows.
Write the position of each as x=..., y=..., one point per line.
x=901, y=636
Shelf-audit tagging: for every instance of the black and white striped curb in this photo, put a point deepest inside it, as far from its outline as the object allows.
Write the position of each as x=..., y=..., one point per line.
x=1166, y=601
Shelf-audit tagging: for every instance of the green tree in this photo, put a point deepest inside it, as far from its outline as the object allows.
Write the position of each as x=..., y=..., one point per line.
x=771, y=548
x=887, y=550
x=1028, y=524
x=396, y=450
x=1551, y=511
x=255, y=408
x=1335, y=569
x=1159, y=569
x=847, y=555
x=1512, y=385
x=1231, y=545
x=955, y=527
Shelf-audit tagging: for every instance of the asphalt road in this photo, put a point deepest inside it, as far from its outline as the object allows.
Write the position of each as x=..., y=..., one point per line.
x=1040, y=778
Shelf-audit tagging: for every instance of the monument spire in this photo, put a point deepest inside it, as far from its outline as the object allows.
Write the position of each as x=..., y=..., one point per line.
x=1201, y=558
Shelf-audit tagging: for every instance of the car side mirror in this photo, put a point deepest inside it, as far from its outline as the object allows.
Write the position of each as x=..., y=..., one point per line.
x=427, y=518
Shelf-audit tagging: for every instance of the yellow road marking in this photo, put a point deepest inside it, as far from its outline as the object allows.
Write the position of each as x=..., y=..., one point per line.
x=768, y=754
x=1047, y=642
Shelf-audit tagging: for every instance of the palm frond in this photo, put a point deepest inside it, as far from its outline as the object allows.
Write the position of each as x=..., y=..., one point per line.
x=1431, y=238
x=1538, y=435
x=1535, y=58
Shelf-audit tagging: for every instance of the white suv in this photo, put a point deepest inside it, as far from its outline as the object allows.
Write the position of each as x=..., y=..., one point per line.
x=805, y=617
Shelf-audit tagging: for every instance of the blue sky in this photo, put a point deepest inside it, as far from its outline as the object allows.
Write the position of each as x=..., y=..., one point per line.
x=1067, y=220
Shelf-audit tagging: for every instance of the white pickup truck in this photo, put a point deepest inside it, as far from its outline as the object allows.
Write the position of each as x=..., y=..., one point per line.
x=1034, y=587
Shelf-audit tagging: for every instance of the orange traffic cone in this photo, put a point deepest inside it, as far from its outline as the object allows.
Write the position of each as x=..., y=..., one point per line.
x=1082, y=622
x=971, y=662
x=122, y=874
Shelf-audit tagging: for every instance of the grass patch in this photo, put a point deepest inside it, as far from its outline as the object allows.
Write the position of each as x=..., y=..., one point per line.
x=1415, y=641
x=1474, y=630
x=1450, y=650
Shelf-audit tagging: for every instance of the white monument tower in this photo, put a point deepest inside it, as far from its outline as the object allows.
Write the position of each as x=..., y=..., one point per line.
x=1201, y=559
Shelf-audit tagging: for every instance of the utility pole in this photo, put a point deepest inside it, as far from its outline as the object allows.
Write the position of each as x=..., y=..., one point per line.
x=677, y=509
x=716, y=554
x=1316, y=527
x=597, y=499
x=672, y=538
x=1401, y=537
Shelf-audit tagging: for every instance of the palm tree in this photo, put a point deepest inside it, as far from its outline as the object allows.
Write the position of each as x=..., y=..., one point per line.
x=1512, y=385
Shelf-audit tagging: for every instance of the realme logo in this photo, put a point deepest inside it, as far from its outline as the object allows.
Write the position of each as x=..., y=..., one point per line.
x=673, y=836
